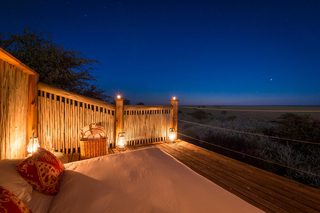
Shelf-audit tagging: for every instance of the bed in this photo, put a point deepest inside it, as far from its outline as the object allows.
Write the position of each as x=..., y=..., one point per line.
x=146, y=180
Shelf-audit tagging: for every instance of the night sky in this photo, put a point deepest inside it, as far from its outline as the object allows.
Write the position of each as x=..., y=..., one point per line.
x=204, y=52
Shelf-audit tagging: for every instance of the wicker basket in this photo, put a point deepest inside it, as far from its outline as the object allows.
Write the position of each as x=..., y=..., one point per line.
x=93, y=147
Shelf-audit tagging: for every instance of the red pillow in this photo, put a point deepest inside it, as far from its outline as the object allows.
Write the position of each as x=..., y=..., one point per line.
x=43, y=171
x=11, y=203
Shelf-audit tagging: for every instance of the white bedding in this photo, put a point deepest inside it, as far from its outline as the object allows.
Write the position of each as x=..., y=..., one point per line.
x=146, y=180
x=40, y=203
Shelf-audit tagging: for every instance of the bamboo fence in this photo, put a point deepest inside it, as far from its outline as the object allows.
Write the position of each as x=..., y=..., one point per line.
x=62, y=115
x=57, y=116
x=146, y=124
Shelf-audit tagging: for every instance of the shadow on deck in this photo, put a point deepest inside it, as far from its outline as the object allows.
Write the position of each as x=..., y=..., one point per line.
x=265, y=190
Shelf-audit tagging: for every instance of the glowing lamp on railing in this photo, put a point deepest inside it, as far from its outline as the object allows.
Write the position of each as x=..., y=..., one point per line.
x=118, y=96
x=33, y=145
x=172, y=134
x=122, y=143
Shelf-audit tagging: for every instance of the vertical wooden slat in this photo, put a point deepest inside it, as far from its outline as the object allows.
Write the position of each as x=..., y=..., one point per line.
x=32, y=127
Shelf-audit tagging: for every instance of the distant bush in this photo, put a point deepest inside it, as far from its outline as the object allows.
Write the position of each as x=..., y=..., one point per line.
x=224, y=118
x=232, y=118
x=300, y=127
x=301, y=157
x=200, y=115
x=294, y=154
x=231, y=141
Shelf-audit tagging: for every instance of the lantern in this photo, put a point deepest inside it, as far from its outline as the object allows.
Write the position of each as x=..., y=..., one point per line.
x=122, y=140
x=172, y=134
x=33, y=145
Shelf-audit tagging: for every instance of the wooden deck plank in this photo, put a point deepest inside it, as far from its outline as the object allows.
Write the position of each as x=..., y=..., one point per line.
x=270, y=192
x=259, y=180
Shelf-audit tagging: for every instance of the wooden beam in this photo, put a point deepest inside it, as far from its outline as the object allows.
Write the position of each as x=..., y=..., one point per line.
x=7, y=57
x=146, y=107
x=118, y=118
x=73, y=96
x=32, y=124
x=174, y=113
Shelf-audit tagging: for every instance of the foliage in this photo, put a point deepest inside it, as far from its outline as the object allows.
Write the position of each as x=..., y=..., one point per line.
x=126, y=102
x=300, y=127
x=200, y=115
x=303, y=157
x=140, y=103
x=223, y=112
x=231, y=117
x=62, y=68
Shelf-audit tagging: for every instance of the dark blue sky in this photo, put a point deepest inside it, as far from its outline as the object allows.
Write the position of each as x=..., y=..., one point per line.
x=204, y=52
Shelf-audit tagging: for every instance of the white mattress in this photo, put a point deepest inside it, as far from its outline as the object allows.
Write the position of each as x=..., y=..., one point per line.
x=146, y=180
x=40, y=203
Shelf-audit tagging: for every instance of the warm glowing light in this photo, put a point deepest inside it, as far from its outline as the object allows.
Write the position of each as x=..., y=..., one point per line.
x=33, y=145
x=121, y=140
x=172, y=135
x=174, y=98
x=118, y=96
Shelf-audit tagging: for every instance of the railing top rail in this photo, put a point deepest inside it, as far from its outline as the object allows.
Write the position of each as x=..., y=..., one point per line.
x=7, y=57
x=73, y=96
x=144, y=107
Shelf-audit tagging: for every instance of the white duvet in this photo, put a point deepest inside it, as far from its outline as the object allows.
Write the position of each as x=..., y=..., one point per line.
x=146, y=180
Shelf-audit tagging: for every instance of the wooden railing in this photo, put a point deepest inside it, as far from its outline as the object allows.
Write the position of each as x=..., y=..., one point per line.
x=56, y=117
x=61, y=115
x=146, y=124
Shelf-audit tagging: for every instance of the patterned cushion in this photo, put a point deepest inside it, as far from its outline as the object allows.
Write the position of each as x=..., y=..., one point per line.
x=43, y=171
x=11, y=203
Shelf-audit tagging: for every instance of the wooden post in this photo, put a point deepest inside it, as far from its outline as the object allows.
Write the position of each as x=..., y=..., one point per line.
x=174, y=114
x=18, y=109
x=32, y=122
x=118, y=118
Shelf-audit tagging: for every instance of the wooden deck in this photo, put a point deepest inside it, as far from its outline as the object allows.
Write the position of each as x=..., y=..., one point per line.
x=265, y=190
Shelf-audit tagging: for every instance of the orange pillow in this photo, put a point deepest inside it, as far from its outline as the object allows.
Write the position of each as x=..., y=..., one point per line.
x=11, y=203
x=43, y=171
